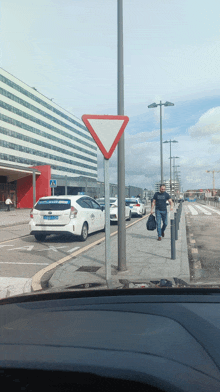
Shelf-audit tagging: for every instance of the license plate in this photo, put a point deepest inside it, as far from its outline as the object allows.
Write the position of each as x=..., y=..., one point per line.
x=131, y=206
x=55, y=217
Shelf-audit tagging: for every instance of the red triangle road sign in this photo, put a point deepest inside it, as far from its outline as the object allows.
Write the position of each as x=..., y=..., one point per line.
x=106, y=130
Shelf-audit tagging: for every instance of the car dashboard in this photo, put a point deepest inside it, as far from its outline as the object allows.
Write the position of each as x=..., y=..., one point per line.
x=162, y=339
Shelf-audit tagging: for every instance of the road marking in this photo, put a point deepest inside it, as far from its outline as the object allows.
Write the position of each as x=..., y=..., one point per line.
x=29, y=247
x=194, y=250
x=1, y=246
x=212, y=209
x=52, y=248
x=192, y=241
x=17, y=238
x=14, y=262
x=72, y=250
x=192, y=210
x=36, y=279
x=203, y=210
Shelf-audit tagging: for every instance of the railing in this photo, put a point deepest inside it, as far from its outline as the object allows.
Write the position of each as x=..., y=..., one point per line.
x=209, y=202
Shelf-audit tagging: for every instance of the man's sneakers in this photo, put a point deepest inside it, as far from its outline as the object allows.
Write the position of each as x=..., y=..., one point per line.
x=162, y=234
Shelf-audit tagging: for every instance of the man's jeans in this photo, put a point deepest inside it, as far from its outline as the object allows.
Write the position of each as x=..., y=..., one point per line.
x=161, y=215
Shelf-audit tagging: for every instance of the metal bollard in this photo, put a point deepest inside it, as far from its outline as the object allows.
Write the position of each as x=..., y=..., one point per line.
x=175, y=223
x=173, y=244
x=178, y=218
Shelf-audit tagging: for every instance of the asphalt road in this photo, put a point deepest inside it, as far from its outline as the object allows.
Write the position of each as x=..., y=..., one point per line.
x=22, y=257
x=203, y=228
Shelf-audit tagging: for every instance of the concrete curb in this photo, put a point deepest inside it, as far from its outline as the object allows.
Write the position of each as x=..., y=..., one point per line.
x=183, y=248
x=15, y=224
x=38, y=277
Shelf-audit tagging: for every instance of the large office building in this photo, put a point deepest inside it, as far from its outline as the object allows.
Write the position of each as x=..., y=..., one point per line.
x=36, y=135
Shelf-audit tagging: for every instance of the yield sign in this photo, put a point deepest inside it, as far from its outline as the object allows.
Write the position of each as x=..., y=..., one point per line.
x=106, y=130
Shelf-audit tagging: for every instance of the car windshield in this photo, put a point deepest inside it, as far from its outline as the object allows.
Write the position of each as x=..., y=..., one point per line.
x=53, y=204
x=131, y=201
x=102, y=201
x=155, y=143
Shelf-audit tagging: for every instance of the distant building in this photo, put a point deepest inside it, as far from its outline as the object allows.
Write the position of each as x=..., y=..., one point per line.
x=148, y=194
x=174, y=186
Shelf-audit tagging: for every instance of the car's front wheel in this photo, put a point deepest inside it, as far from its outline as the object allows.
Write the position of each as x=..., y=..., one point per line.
x=84, y=232
x=40, y=237
x=129, y=216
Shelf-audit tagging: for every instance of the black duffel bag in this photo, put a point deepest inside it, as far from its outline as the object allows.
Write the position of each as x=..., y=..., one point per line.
x=151, y=223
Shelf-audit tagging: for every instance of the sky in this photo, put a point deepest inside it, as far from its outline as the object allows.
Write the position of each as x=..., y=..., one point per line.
x=67, y=50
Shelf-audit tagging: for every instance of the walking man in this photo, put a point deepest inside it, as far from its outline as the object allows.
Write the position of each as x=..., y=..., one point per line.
x=159, y=200
x=8, y=202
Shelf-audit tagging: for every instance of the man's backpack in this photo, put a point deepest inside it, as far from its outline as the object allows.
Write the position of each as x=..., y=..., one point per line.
x=151, y=223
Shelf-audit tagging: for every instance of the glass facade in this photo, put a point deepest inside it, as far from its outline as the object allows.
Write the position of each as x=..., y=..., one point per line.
x=35, y=131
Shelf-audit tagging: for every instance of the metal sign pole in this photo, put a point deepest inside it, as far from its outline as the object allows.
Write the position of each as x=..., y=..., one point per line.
x=34, y=186
x=107, y=225
x=65, y=185
x=121, y=149
x=107, y=130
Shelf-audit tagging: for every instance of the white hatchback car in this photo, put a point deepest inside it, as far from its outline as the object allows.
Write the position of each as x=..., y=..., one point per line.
x=136, y=206
x=78, y=215
x=114, y=209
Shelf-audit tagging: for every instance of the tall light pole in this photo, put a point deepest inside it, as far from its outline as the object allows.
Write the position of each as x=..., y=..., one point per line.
x=175, y=176
x=178, y=176
x=173, y=171
x=213, y=172
x=170, y=141
x=154, y=105
x=121, y=149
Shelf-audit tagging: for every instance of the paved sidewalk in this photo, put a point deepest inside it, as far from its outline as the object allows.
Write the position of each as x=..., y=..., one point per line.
x=146, y=259
x=14, y=217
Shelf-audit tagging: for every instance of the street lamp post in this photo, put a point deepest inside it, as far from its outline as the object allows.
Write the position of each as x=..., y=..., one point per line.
x=154, y=105
x=170, y=141
x=173, y=173
x=175, y=176
x=121, y=148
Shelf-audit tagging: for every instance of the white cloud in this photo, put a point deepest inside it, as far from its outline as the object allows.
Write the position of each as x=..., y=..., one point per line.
x=142, y=158
x=208, y=124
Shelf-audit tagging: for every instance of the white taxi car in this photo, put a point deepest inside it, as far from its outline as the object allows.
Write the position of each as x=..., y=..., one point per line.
x=78, y=215
x=114, y=209
x=136, y=206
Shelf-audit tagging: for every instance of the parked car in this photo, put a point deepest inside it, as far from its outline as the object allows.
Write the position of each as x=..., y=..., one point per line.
x=136, y=206
x=114, y=208
x=78, y=215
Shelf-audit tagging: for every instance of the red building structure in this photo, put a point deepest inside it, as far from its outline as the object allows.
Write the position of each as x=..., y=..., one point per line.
x=25, y=187
x=24, y=184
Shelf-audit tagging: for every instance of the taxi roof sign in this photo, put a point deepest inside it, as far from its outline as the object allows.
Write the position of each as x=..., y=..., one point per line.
x=106, y=130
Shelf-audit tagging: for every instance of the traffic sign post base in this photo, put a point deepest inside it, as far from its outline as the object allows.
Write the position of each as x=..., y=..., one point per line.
x=107, y=223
